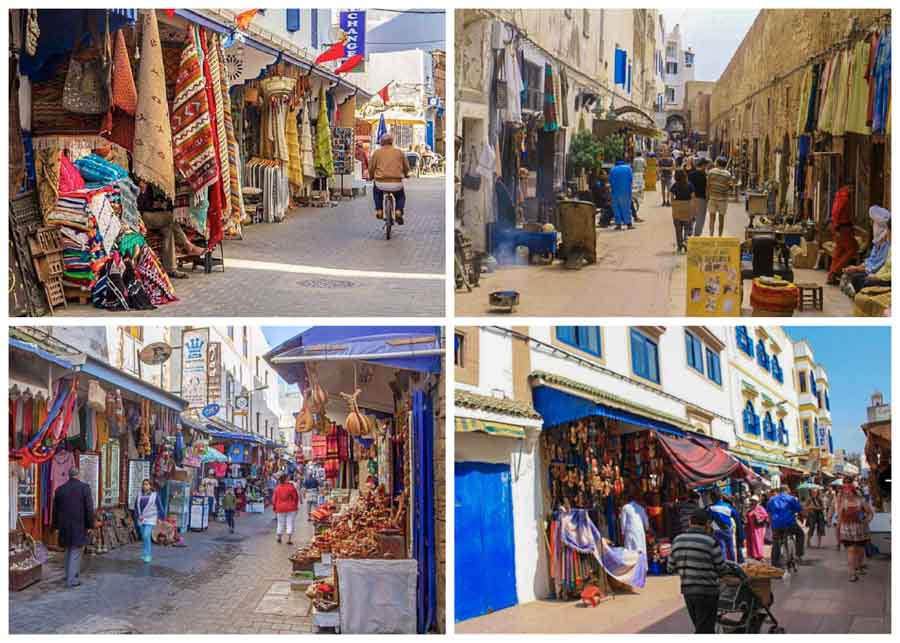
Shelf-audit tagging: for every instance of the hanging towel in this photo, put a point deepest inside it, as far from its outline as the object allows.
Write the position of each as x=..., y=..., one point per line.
x=153, y=157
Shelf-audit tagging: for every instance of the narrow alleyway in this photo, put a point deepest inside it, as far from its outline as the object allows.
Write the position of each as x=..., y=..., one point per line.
x=638, y=273
x=323, y=262
x=220, y=583
x=816, y=600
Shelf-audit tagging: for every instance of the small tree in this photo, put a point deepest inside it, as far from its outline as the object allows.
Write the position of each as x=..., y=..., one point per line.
x=612, y=147
x=584, y=152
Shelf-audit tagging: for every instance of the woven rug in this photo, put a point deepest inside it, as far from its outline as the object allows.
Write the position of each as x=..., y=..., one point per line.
x=192, y=134
x=236, y=214
x=216, y=71
x=118, y=126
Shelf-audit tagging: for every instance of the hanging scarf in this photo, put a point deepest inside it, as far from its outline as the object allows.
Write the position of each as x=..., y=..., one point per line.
x=41, y=447
x=307, y=155
x=550, y=122
x=118, y=126
x=324, y=159
x=192, y=133
x=152, y=159
x=236, y=213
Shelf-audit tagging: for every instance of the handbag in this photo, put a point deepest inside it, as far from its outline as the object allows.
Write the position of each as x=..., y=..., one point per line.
x=86, y=90
x=470, y=180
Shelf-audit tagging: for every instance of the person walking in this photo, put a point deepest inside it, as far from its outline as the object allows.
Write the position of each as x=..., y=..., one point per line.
x=620, y=180
x=682, y=194
x=685, y=508
x=697, y=559
x=311, y=489
x=697, y=178
x=73, y=516
x=208, y=485
x=854, y=514
x=148, y=511
x=783, y=510
x=831, y=514
x=665, y=171
x=638, y=168
x=723, y=523
x=229, y=504
x=285, y=501
x=814, y=508
x=719, y=184
x=757, y=520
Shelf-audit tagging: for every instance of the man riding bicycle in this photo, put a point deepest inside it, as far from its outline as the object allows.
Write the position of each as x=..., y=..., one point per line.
x=387, y=169
x=783, y=511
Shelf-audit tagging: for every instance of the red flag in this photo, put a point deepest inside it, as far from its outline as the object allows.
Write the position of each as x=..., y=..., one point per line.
x=335, y=52
x=170, y=12
x=244, y=18
x=383, y=93
x=349, y=64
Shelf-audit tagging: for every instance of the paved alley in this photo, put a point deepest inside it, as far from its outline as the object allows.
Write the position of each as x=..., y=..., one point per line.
x=323, y=262
x=638, y=273
x=816, y=600
x=220, y=583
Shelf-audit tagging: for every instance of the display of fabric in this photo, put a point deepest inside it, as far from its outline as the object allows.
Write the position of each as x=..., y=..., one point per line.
x=236, y=213
x=192, y=134
x=882, y=85
x=858, y=99
x=295, y=165
x=307, y=155
x=43, y=444
x=47, y=169
x=550, y=109
x=118, y=126
x=222, y=106
x=96, y=169
x=842, y=89
x=153, y=140
x=323, y=155
x=216, y=212
x=271, y=177
x=48, y=116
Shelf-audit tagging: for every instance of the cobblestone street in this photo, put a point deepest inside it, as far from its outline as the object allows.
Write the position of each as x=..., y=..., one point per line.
x=220, y=583
x=323, y=262
x=637, y=273
x=816, y=600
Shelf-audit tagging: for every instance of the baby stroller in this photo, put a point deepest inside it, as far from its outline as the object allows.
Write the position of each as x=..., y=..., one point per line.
x=744, y=603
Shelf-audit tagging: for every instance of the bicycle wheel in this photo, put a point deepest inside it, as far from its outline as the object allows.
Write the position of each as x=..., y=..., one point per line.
x=388, y=214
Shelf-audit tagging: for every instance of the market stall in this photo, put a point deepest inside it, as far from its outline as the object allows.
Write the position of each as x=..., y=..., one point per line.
x=72, y=410
x=368, y=399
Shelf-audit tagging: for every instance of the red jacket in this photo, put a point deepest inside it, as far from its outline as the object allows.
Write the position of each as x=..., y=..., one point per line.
x=285, y=499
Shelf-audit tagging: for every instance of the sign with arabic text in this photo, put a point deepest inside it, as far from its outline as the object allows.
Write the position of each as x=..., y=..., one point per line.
x=214, y=371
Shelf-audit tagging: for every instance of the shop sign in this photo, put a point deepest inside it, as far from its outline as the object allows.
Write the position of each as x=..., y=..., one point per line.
x=89, y=464
x=155, y=354
x=214, y=371
x=713, y=277
x=210, y=410
x=194, y=387
x=241, y=404
x=353, y=23
x=137, y=471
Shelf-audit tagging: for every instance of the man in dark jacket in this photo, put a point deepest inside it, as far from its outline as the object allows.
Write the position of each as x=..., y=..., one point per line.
x=697, y=558
x=73, y=515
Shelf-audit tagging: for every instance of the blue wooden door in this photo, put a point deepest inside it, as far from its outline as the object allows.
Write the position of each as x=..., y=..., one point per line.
x=485, y=565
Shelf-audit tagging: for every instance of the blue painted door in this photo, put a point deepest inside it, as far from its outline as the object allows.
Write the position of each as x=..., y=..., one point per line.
x=485, y=566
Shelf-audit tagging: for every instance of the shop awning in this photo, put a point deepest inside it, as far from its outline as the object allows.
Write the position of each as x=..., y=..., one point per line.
x=235, y=437
x=698, y=465
x=603, y=127
x=414, y=348
x=398, y=117
x=500, y=429
x=67, y=362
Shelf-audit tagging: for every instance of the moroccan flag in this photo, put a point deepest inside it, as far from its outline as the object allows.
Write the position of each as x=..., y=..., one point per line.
x=244, y=18
x=335, y=52
x=349, y=64
x=383, y=92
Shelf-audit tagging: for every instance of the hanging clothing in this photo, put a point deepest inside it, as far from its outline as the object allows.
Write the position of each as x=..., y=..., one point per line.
x=295, y=165
x=812, y=102
x=803, y=106
x=858, y=91
x=882, y=74
x=828, y=95
x=307, y=155
x=324, y=158
x=870, y=74
x=514, y=85
x=635, y=524
x=60, y=465
x=551, y=124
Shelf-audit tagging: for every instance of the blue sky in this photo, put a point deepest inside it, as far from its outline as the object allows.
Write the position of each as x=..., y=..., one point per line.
x=715, y=35
x=858, y=361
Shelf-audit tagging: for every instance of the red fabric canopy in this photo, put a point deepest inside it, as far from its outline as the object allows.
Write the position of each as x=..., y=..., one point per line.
x=699, y=465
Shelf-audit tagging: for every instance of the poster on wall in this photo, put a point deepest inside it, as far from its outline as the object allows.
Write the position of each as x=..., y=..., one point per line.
x=137, y=471
x=713, y=277
x=214, y=371
x=89, y=464
x=194, y=354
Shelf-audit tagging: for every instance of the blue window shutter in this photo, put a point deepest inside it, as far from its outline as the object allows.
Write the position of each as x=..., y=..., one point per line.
x=592, y=340
x=621, y=66
x=830, y=443
x=292, y=17
x=816, y=431
x=653, y=361
x=566, y=334
x=314, y=27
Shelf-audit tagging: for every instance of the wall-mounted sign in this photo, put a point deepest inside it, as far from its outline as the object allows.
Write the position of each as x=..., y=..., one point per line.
x=194, y=349
x=214, y=371
x=210, y=410
x=353, y=23
x=241, y=404
x=155, y=354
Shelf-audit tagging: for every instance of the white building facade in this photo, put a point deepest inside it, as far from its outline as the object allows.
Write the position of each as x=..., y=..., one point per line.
x=678, y=69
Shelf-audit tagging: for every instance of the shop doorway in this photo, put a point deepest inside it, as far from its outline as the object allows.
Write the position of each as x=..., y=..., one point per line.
x=485, y=551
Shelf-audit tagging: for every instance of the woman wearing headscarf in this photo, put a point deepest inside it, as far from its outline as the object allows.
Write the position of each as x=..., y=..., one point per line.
x=877, y=264
x=757, y=519
x=854, y=515
x=845, y=246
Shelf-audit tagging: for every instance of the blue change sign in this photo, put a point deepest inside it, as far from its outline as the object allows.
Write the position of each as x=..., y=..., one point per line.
x=353, y=23
x=210, y=410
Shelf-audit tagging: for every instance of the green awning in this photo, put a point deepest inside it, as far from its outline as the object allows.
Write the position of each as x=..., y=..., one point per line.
x=500, y=429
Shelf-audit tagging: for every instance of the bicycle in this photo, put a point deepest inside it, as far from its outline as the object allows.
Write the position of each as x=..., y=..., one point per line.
x=388, y=208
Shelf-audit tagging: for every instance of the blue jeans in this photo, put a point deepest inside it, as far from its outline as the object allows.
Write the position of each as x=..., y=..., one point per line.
x=147, y=537
x=229, y=517
x=726, y=543
x=212, y=505
x=399, y=199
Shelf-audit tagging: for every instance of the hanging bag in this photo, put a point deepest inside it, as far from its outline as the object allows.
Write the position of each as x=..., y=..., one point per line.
x=96, y=397
x=86, y=90
x=471, y=180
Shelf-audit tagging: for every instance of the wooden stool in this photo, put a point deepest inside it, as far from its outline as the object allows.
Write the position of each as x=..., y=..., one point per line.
x=810, y=296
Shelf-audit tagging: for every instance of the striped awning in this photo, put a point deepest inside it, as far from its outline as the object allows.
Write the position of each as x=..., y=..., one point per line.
x=500, y=429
